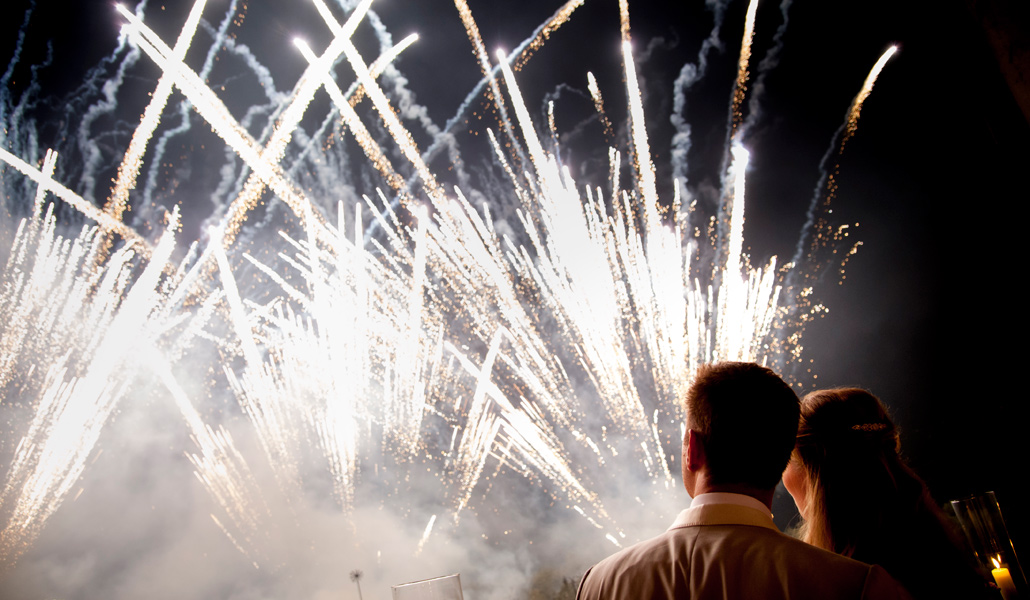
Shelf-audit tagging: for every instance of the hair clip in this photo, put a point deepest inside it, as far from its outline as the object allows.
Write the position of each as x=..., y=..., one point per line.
x=870, y=427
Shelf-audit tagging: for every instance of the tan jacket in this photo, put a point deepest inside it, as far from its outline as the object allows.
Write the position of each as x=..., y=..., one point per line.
x=726, y=551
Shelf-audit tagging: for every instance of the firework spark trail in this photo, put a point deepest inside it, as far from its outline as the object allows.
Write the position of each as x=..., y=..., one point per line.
x=745, y=310
x=265, y=161
x=366, y=78
x=483, y=425
x=724, y=222
x=219, y=467
x=400, y=135
x=624, y=21
x=535, y=445
x=544, y=31
x=736, y=234
x=217, y=115
x=407, y=107
x=425, y=535
x=281, y=395
x=536, y=150
x=28, y=304
x=303, y=160
x=573, y=269
x=231, y=177
x=49, y=163
x=614, y=161
x=73, y=409
x=587, y=289
x=317, y=377
x=521, y=437
x=287, y=122
x=489, y=76
x=372, y=149
x=659, y=286
x=769, y=62
x=133, y=158
x=624, y=246
x=521, y=54
x=337, y=429
x=220, y=41
x=826, y=187
x=261, y=392
x=356, y=91
x=319, y=71
x=74, y=200
x=817, y=235
x=577, y=271
x=595, y=95
x=551, y=127
x=867, y=88
x=465, y=247
x=520, y=193
x=406, y=405
x=641, y=151
x=294, y=395
x=740, y=87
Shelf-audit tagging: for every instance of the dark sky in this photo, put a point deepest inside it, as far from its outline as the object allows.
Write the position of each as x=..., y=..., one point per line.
x=930, y=313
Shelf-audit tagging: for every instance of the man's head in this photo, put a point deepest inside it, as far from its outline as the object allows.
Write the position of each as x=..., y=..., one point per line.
x=744, y=420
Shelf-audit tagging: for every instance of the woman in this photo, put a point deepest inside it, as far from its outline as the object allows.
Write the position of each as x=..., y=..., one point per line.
x=858, y=498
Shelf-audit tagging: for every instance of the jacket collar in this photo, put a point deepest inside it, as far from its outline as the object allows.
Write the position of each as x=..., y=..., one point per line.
x=723, y=514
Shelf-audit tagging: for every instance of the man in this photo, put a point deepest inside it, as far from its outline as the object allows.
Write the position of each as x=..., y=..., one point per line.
x=741, y=423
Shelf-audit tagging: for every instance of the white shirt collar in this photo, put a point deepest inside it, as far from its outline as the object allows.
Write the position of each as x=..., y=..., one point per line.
x=729, y=498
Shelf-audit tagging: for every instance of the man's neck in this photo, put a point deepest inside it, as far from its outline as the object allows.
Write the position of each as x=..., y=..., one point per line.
x=725, y=498
x=703, y=486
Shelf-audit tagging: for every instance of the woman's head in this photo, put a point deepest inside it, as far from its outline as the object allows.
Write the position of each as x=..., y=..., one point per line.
x=859, y=499
x=845, y=467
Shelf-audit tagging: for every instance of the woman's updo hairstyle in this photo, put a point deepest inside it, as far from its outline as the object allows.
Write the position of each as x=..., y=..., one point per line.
x=863, y=501
x=847, y=420
x=848, y=446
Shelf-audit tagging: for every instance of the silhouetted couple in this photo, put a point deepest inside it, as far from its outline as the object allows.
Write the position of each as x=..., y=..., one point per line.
x=857, y=498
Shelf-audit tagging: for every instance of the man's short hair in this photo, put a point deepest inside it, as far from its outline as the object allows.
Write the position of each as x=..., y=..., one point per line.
x=747, y=418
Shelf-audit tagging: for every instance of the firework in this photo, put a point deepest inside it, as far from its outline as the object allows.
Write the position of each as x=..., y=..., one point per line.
x=418, y=337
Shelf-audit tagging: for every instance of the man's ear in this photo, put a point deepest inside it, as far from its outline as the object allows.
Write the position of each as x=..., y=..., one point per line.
x=693, y=451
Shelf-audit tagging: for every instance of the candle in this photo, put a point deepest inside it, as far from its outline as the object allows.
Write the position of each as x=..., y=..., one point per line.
x=1004, y=580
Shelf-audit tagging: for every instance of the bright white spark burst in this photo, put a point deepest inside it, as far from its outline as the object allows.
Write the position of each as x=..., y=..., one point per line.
x=438, y=343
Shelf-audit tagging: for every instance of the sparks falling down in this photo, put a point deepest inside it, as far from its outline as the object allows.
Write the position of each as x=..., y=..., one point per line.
x=408, y=339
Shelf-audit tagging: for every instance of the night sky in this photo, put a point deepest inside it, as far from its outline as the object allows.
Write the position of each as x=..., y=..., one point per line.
x=930, y=315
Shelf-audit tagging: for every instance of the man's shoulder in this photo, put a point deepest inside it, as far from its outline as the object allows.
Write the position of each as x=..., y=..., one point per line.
x=680, y=543
x=640, y=567
x=705, y=560
x=667, y=545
